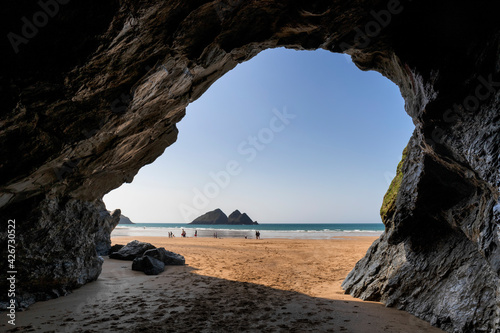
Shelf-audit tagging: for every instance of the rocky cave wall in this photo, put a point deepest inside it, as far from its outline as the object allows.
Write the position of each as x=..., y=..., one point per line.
x=91, y=91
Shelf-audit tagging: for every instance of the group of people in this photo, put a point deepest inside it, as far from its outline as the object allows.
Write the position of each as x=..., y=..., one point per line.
x=183, y=233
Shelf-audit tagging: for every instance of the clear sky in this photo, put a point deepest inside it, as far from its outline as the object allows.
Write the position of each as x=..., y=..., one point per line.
x=289, y=136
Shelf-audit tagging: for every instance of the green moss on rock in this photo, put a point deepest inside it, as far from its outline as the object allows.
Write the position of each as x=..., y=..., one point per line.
x=389, y=203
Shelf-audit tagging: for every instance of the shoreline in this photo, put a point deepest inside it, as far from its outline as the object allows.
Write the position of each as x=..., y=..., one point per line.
x=207, y=232
x=227, y=285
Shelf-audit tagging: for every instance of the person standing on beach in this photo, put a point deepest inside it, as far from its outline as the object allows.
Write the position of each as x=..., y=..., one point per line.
x=196, y=233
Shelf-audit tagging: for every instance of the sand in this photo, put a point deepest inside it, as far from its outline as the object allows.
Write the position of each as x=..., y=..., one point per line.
x=227, y=285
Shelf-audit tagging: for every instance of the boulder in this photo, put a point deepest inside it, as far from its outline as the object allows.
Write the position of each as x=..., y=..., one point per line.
x=116, y=248
x=167, y=257
x=148, y=265
x=132, y=250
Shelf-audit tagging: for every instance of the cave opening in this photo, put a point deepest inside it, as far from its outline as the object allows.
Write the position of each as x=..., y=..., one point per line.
x=71, y=101
x=289, y=137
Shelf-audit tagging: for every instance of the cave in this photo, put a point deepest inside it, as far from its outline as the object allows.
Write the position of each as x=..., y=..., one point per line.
x=79, y=118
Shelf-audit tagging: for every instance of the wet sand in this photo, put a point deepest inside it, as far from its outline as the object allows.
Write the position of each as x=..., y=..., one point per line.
x=227, y=285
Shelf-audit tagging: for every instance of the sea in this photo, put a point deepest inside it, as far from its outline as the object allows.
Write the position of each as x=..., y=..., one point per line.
x=267, y=230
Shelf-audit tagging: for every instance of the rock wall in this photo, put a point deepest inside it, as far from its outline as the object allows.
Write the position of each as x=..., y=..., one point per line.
x=91, y=91
x=439, y=255
x=58, y=246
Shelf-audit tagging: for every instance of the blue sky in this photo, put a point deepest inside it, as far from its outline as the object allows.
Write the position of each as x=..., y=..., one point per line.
x=289, y=136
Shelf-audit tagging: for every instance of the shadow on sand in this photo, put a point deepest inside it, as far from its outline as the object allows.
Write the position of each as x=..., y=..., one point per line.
x=180, y=300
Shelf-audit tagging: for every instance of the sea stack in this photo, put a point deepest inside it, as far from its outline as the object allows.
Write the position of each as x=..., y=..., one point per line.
x=219, y=217
x=125, y=220
x=214, y=217
x=237, y=218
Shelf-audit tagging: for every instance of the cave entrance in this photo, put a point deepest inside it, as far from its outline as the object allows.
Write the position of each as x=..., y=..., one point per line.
x=304, y=136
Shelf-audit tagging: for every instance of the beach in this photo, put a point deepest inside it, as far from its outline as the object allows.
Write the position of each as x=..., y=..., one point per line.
x=227, y=285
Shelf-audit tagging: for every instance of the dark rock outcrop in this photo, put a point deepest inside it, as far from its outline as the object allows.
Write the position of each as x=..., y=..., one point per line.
x=123, y=219
x=95, y=94
x=167, y=257
x=148, y=265
x=56, y=247
x=103, y=235
x=213, y=217
x=439, y=255
x=132, y=250
x=237, y=218
x=153, y=261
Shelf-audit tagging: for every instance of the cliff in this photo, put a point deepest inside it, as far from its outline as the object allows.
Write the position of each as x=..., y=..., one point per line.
x=93, y=90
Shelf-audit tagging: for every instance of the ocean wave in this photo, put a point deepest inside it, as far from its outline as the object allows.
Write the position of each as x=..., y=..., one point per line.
x=244, y=230
x=267, y=230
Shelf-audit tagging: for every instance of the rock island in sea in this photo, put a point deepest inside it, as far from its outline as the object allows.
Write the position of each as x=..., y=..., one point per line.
x=219, y=217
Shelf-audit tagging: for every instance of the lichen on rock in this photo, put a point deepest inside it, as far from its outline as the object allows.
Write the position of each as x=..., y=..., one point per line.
x=389, y=203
